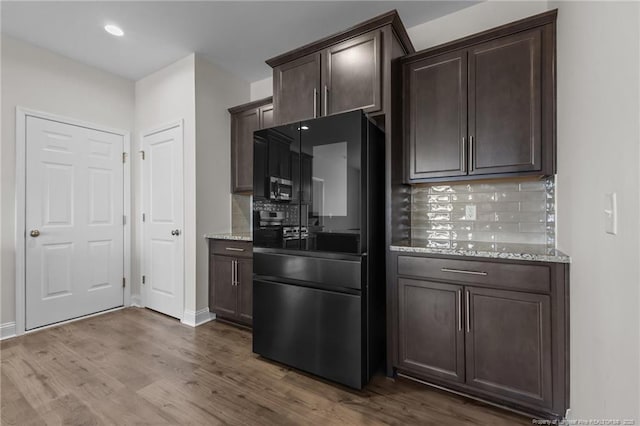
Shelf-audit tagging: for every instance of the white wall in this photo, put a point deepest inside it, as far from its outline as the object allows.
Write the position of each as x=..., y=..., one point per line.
x=161, y=98
x=598, y=153
x=216, y=91
x=262, y=89
x=38, y=79
x=471, y=20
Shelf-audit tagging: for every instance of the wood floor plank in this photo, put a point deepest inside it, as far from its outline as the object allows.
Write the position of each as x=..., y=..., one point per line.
x=138, y=367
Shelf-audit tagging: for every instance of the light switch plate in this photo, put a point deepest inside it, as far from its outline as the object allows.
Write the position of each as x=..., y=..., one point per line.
x=470, y=212
x=611, y=213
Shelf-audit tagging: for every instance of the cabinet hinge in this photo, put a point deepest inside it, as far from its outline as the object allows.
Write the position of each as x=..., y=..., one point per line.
x=124, y=280
x=142, y=154
x=124, y=157
x=144, y=278
x=143, y=217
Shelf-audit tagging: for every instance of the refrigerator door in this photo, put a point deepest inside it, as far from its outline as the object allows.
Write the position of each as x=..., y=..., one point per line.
x=333, y=182
x=276, y=179
x=315, y=330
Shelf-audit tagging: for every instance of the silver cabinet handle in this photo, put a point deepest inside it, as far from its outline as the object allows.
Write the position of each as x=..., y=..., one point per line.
x=235, y=265
x=233, y=272
x=468, y=313
x=34, y=233
x=461, y=271
x=459, y=310
x=234, y=249
x=326, y=98
x=470, y=153
x=464, y=153
x=315, y=102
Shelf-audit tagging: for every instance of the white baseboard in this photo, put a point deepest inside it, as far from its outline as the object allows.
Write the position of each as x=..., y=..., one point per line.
x=136, y=301
x=7, y=330
x=196, y=318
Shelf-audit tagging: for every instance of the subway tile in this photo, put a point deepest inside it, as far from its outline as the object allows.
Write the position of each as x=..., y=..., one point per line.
x=533, y=227
x=509, y=212
x=435, y=207
x=538, y=185
x=439, y=235
x=533, y=206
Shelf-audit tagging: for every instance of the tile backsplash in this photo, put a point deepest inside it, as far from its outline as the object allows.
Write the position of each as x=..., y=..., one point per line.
x=240, y=213
x=495, y=212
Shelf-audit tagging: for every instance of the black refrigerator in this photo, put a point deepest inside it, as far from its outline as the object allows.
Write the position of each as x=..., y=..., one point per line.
x=319, y=257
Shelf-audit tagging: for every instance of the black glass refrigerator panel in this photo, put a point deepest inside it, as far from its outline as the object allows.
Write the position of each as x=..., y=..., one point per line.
x=310, y=187
x=276, y=182
x=332, y=166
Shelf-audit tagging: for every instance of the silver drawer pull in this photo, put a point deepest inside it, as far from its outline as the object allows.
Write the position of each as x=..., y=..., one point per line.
x=460, y=271
x=234, y=249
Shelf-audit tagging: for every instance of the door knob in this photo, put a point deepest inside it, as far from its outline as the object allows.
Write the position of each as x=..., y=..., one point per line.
x=34, y=233
x=175, y=232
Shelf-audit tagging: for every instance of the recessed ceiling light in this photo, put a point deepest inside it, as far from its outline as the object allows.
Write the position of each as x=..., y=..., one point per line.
x=305, y=127
x=114, y=30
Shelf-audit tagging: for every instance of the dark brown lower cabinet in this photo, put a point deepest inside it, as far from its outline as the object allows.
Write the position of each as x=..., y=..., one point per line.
x=509, y=344
x=231, y=281
x=430, y=334
x=501, y=336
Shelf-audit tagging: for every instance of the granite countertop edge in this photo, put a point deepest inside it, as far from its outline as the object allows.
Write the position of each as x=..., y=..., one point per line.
x=559, y=257
x=230, y=236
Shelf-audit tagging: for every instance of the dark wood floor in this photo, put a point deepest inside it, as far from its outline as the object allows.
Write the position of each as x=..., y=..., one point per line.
x=135, y=366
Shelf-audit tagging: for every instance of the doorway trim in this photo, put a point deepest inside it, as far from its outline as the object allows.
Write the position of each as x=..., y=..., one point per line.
x=21, y=204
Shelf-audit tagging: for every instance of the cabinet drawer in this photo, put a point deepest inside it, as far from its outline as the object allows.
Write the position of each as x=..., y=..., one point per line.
x=232, y=248
x=534, y=278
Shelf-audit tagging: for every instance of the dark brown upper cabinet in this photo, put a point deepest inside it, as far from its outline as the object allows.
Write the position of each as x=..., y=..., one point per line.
x=352, y=75
x=343, y=72
x=505, y=88
x=437, y=104
x=296, y=89
x=482, y=106
x=246, y=119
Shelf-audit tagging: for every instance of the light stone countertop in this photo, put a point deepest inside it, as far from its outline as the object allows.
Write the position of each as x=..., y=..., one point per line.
x=528, y=252
x=233, y=236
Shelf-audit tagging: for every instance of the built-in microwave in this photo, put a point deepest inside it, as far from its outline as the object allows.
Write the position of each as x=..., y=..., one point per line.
x=280, y=189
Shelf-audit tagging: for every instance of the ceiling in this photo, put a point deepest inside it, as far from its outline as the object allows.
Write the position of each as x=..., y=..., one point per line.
x=237, y=36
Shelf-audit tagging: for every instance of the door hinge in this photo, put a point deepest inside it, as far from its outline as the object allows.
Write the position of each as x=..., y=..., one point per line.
x=144, y=279
x=143, y=217
x=124, y=280
x=124, y=219
x=124, y=157
x=142, y=154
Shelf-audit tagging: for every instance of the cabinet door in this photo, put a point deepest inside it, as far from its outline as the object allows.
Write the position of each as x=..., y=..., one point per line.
x=266, y=116
x=508, y=347
x=243, y=124
x=504, y=104
x=260, y=169
x=296, y=89
x=435, y=96
x=279, y=159
x=223, y=291
x=431, y=336
x=352, y=75
x=245, y=290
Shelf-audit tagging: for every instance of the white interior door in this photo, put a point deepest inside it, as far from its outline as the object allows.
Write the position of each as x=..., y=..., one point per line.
x=74, y=251
x=163, y=213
